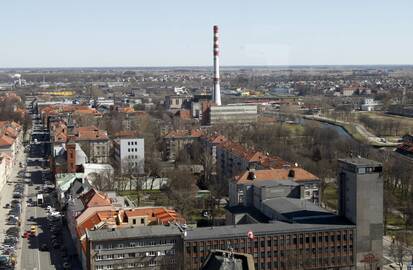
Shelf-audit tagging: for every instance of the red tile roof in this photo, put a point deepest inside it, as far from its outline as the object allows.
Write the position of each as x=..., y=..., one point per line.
x=6, y=141
x=181, y=133
x=157, y=215
x=90, y=133
x=300, y=175
x=95, y=198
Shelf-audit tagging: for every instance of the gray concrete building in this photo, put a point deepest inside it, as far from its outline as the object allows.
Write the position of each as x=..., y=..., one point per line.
x=140, y=247
x=361, y=202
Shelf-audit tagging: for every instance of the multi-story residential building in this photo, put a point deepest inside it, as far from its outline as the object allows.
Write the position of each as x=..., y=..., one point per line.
x=177, y=102
x=141, y=247
x=233, y=158
x=94, y=142
x=129, y=153
x=178, y=140
x=252, y=185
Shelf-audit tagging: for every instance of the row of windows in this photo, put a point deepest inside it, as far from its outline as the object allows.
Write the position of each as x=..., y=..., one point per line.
x=282, y=240
x=135, y=255
x=134, y=244
x=132, y=143
x=294, y=264
x=132, y=150
x=134, y=265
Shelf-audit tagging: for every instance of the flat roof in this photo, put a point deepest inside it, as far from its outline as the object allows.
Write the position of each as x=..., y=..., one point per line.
x=133, y=232
x=360, y=162
x=275, y=227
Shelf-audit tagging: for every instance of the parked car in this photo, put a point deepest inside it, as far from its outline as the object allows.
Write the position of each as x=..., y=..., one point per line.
x=7, y=206
x=43, y=247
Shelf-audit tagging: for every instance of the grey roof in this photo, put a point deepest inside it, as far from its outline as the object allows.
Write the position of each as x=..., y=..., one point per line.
x=275, y=227
x=360, y=162
x=272, y=183
x=133, y=232
x=295, y=208
x=251, y=211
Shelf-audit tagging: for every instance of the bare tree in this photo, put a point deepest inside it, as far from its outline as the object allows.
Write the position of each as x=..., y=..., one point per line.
x=398, y=250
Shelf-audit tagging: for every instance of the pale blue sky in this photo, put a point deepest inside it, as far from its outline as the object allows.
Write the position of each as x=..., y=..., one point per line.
x=46, y=33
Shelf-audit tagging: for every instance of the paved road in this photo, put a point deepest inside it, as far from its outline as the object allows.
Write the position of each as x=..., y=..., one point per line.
x=31, y=257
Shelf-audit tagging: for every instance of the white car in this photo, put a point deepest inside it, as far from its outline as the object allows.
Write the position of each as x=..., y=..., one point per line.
x=55, y=214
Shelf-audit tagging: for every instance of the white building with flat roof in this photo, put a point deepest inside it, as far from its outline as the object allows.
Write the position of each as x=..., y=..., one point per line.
x=233, y=113
x=130, y=154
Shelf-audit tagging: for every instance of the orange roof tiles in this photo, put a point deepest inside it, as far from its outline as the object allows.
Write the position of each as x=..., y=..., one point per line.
x=95, y=198
x=90, y=133
x=300, y=175
x=184, y=133
x=159, y=215
x=6, y=140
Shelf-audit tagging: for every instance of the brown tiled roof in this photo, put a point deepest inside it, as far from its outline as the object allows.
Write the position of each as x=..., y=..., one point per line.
x=157, y=215
x=180, y=133
x=90, y=133
x=6, y=140
x=95, y=198
x=300, y=175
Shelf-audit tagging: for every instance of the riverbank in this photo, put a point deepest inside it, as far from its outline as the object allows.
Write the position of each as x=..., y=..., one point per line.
x=355, y=130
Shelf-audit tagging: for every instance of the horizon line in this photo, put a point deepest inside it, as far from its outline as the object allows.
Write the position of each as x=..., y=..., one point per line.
x=208, y=66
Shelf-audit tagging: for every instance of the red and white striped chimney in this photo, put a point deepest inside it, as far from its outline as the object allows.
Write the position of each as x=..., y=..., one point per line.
x=216, y=95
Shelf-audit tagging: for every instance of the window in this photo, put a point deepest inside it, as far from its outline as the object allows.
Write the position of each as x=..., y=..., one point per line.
x=98, y=247
x=152, y=263
x=109, y=246
x=99, y=267
x=269, y=243
x=99, y=258
x=120, y=245
x=131, y=255
x=134, y=221
x=128, y=143
x=151, y=253
x=131, y=265
x=142, y=221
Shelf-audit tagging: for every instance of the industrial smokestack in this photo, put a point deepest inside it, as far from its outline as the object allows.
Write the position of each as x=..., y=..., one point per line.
x=216, y=95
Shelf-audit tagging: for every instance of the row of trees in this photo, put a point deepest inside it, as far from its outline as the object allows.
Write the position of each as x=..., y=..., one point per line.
x=382, y=127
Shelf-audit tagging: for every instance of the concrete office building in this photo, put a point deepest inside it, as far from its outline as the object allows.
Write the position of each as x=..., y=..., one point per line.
x=140, y=247
x=233, y=113
x=130, y=154
x=361, y=202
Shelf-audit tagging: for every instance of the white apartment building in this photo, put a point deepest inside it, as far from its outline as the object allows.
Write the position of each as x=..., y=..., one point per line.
x=130, y=154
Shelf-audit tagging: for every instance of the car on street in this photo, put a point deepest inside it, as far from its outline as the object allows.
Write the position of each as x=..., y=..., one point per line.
x=33, y=230
x=66, y=265
x=43, y=247
x=7, y=206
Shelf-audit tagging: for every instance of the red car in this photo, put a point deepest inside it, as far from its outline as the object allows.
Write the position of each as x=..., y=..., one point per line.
x=26, y=234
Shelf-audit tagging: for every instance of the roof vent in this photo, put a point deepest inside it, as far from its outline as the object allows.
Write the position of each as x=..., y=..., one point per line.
x=291, y=173
x=113, y=229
